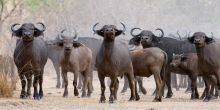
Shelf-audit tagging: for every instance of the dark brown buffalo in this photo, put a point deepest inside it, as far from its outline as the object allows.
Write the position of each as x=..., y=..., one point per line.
x=30, y=57
x=75, y=58
x=113, y=60
x=208, y=58
x=151, y=61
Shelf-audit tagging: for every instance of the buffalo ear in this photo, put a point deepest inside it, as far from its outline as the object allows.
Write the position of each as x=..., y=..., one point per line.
x=119, y=32
x=191, y=39
x=37, y=32
x=17, y=33
x=208, y=40
x=76, y=44
x=155, y=38
x=183, y=58
x=100, y=32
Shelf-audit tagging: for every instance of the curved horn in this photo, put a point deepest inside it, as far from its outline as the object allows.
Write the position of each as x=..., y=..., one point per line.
x=75, y=38
x=131, y=32
x=12, y=27
x=178, y=34
x=124, y=28
x=44, y=27
x=94, y=28
x=161, y=32
x=60, y=36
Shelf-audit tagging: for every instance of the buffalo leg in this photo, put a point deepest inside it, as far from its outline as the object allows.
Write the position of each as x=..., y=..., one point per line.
x=168, y=83
x=29, y=84
x=57, y=69
x=112, y=88
x=207, y=90
x=218, y=79
x=126, y=85
x=35, y=84
x=188, y=89
x=140, y=84
x=76, y=74
x=159, y=86
x=193, y=87
x=87, y=83
x=102, y=82
x=116, y=89
x=131, y=81
x=65, y=94
x=174, y=81
x=23, y=94
x=80, y=81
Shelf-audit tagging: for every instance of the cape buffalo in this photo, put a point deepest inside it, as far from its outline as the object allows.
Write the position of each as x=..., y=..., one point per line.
x=54, y=54
x=30, y=57
x=147, y=39
x=76, y=58
x=187, y=64
x=150, y=61
x=208, y=58
x=113, y=60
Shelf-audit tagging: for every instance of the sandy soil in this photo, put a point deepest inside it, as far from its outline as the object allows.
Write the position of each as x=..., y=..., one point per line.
x=53, y=99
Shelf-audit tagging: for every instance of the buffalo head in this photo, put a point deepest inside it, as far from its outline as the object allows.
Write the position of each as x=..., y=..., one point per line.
x=27, y=31
x=109, y=32
x=145, y=37
x=200, y=39
x=177, y=60
x=67, y=42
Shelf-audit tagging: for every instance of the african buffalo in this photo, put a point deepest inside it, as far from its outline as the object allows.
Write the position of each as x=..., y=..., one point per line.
x=208, y=58
x=76, y=58
x=30, y=57
x=150, y=61
x=113, y=60
x=54, y=54
x=147, y=39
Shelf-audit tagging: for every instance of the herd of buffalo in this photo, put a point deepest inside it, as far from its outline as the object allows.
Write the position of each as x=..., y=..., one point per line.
x=145, y=54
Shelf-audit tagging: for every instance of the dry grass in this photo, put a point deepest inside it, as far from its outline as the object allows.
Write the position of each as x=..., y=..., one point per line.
x=7, y=85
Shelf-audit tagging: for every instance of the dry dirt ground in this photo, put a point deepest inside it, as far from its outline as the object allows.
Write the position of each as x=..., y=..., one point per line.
x=53, y=99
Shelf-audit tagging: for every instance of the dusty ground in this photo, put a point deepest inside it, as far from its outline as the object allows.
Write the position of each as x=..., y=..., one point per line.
x=53, y=99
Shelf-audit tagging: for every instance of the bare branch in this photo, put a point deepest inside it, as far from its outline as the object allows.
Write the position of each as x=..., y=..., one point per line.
x=12, y=10
x=178, y=34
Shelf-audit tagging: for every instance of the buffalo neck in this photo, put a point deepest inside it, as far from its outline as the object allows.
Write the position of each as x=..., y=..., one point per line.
x=66, y=56
x=107, y=50
x=200, y=52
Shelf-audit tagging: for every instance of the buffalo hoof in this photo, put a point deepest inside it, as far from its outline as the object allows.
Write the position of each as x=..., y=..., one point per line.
x=137, y=98
x=144, y=91
x=22, y=96
x=65, y=95
x=89, y=95
x=83, y=95
x=202, y=97
x=132, y=99
x=157, y=100
x=41, y=95
x=169, y=95
x=102, y=99
x=36, y=97
x=206, y=99
x=111, y=99
x=76, y=93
